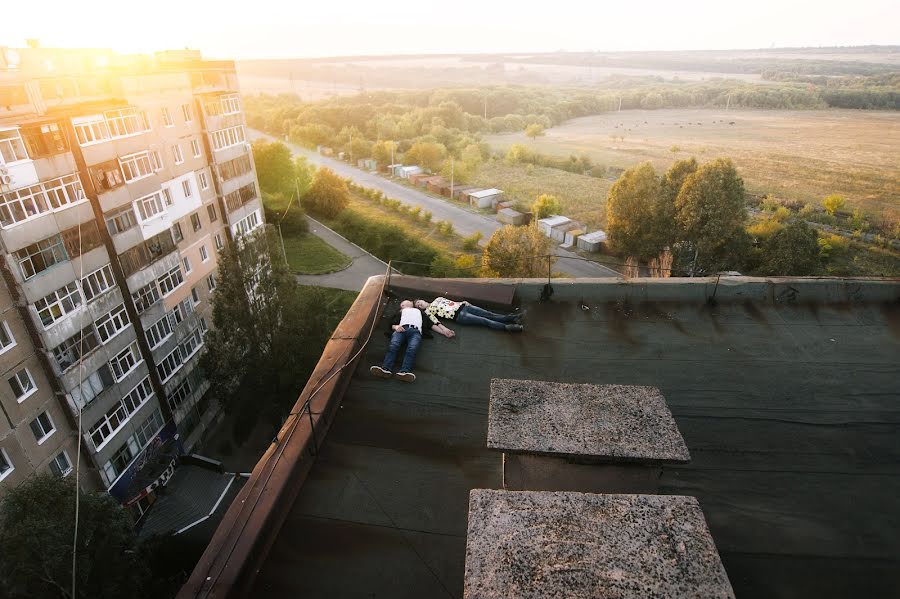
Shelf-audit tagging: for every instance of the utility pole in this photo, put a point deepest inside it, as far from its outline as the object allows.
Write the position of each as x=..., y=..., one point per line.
x=351, y=148
x=280, y=234
x=392, y=156
x=451, y=177
x=485, y=106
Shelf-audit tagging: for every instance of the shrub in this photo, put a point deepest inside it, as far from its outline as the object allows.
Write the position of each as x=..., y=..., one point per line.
x=328, y=195
x=471, y=242
x=445, y=228
x=831, y=245
x=387, y=241
x=426, y=216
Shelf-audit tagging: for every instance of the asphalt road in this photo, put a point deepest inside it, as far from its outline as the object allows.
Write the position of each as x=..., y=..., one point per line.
x=464, y=221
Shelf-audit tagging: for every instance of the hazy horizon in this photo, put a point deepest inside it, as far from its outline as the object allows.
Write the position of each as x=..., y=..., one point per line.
x=272, y=31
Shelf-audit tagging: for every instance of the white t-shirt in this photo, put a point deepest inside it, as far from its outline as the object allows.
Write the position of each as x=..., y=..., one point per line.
x=411, y=316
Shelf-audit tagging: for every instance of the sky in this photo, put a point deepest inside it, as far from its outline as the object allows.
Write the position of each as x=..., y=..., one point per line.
x=280, y=29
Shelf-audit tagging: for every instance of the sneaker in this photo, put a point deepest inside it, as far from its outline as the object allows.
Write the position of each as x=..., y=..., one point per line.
x=380, y=372
x=406, y=377
x=515, y=328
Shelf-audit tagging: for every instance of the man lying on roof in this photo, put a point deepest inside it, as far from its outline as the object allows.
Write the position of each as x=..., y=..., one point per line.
x=407, y=326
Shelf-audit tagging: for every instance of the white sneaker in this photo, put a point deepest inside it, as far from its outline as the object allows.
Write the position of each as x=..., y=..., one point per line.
x=380, y=372
x=406, y=377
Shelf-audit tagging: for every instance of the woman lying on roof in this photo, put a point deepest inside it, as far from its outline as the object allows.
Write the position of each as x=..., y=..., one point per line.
x=466, y=313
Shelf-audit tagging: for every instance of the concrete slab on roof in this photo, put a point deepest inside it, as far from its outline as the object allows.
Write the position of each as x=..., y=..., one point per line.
x=616, y=422
x=527, y=544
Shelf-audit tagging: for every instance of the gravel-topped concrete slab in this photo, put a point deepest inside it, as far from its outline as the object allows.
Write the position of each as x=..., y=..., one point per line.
x=619, y=422
x=526, y=544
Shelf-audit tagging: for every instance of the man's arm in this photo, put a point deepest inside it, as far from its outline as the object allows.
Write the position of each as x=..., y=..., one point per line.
x=394, y=322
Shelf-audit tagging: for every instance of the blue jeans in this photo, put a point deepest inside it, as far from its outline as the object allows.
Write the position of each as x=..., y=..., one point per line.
x=413, y=338
x=470, y=314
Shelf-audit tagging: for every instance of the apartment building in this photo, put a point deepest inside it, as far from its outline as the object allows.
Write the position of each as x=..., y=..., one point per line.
x=120, y=179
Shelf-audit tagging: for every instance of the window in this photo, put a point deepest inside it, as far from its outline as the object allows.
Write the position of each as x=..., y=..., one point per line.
x=176, y=151
x=158, y=332
x=7, y=341
x=195, y=222
x=145, y=120
x=203, y=327
x=156, y=160
x=29, y=202
x=195, y=147
x=43, y=140
x=170, y=281
x=211, y=211
x=180, y=312
x=6, y=465
x=179, y=394
x=204, y=255
x=167, y=118
x=112, y=323
x=247, y=224
x=107, y=175
x=118, y=415
x=177, y=233
x=54, y=306
x=223, y=105
x=136, y=166
x=195, y=296
x=90, y=130
x=22, y=384
x=186, y=188
x=42, y=427
x=12, y=148
x=235, y=167
x=124, y=122
x=167, y=196
x=60, y=465
x=187, y=264
x=146, y=253
x=120, y=220
x=204, y=180
x=150, y=206
x=173, y=362
x=145, y=297
x=219, y=243
x=98, y=282
x=81, y=239
x=225, y=138
x=40, y=256
x=186, y=113
x=240, y=196
x=125, y=361
x=92, y=386
x=80, y=344
x=211, y=282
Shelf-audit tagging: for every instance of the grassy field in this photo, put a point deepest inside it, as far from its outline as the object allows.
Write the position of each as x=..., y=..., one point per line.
x=309, y=255
x=803, y=155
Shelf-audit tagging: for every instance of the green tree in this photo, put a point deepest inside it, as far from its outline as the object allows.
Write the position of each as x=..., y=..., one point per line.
x=794, y=250
x=833, y=203
x=665, y=228
x=303, y=174
x=711, y=210
x=546, y=205
x=383, y=151
x=631, y=212
x=37, y=521
x=534, y=130
x=428, y=155
x=517, y=153
x=516, y=252
x=274, y=166
x=328, y=195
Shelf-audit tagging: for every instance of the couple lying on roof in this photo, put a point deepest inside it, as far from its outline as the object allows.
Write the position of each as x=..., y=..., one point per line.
x=413, y=319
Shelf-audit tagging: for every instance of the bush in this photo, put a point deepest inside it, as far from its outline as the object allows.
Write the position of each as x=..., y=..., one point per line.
x=471, y=242
x=831, y=245
x=328, y=195
x=426, y=216
x=445, y=228
x=387, y=241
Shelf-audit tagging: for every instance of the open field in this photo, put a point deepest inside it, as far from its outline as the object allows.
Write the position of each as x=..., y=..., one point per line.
x=803, y=155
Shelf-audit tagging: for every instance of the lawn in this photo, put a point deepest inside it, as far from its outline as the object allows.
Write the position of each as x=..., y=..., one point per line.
x=310, y=255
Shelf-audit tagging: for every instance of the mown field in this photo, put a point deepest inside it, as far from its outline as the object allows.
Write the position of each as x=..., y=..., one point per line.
x=802, y=155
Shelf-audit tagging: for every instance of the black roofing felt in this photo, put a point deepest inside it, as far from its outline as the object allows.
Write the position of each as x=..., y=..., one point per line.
x=791, y=415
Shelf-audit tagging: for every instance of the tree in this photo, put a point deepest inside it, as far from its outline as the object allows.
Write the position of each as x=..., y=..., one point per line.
x=37, y=521
x=327, y=195
x=518, y=153
x=534, y=130
x=428, y=155
x=546, y=205
x=833, y=203
x=666, y=231
x=631, y=212
x=384, y=151
x=274, y=166
x=303, y=173
x=794, y=250
x=516, y=252
x=710, y=209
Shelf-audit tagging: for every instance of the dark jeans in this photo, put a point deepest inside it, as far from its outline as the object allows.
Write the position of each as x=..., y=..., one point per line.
x=413, y=338
x=470, y=314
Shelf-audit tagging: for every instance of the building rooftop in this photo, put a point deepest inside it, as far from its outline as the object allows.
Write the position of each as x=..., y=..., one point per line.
x=485, y=193
x=785, y=391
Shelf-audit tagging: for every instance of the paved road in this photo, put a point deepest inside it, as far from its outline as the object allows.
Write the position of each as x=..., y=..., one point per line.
x=464, y=222
x=354, y=276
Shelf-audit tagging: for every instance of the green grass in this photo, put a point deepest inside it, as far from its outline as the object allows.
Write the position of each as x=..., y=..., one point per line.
x=862, y=260
x=310, y=255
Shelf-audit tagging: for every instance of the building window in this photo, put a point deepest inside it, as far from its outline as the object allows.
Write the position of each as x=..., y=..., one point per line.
x=92, y=386
x=176, y=151
x=145, y=297
x=225, y=138
x=219, y=243
x=150, y=206
x=22, y=385
x=211, y=211
x=167, y=196
x=170, y=281
x=211, y=282
x=186, y=113
x=40, y=256
x=179, y=394
x=195, y=147
x=90, y=130
x=223, y=105
x=97, y=283
x=6, y=465
x=186, y=188
x=187, y=264
x=112, y=323
x=158, y=332
x=45, y=140
x=119, y=414
x=7, y=341
x=173, y=362
x=120, y=220
x=136, y=166
x=195, y=222
x=235, y=167
x=204, y=255
x=247, y=224
x=177, y=233
x=167, y=118
x=29, y=202
x=204, y=180
x=80, y=344
x=124, y=122
x=180, y=312
x=195, y=296
x=61, y=302
x=156, y=160
x=125, y=361
x=42, y=427
x=60, y=465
